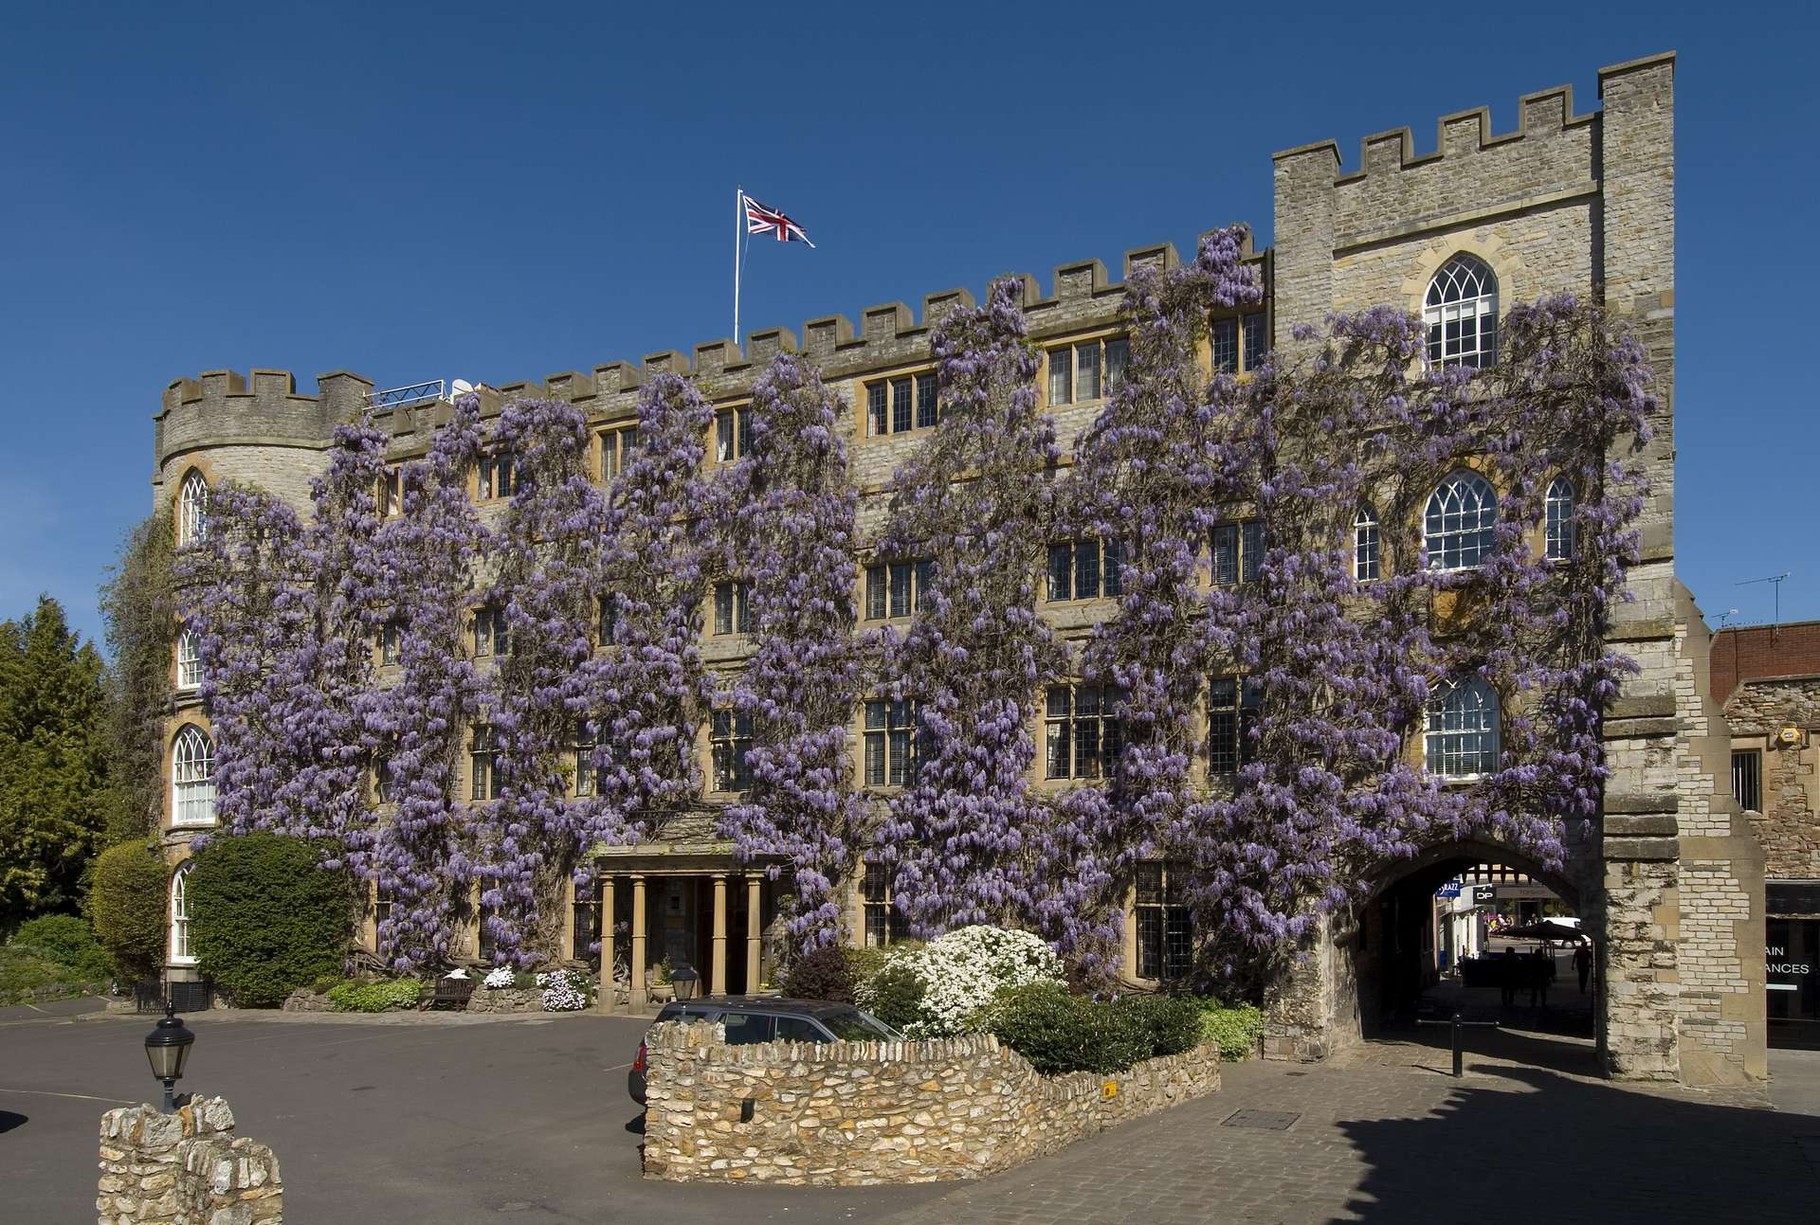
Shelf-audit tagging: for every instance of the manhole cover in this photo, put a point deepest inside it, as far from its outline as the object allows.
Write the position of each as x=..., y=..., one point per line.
x=1267, y=1120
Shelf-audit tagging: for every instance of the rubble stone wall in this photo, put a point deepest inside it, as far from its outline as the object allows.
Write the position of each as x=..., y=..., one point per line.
x=185, y=1168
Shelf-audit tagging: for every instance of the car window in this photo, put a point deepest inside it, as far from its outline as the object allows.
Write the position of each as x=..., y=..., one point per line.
x=799, y=1029
x=744, y=1028
x=856, y=1026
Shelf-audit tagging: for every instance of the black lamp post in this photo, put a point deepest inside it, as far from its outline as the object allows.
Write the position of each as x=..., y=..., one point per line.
x=168, y=1048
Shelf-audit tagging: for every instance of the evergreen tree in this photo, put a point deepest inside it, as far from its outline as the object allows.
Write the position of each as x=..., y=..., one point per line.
x=52, y=772
x=141, y=614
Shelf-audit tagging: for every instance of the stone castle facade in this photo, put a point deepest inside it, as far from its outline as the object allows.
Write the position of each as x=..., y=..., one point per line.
x=1568, y=202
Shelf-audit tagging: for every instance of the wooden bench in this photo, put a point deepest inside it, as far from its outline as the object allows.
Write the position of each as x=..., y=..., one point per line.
x=449, y=993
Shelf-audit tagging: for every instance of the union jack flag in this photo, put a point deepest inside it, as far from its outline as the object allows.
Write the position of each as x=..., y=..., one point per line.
x=762, y=220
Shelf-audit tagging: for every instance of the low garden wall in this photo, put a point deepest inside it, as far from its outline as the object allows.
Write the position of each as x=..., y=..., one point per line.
x=863, y=1113
x=185, y=1168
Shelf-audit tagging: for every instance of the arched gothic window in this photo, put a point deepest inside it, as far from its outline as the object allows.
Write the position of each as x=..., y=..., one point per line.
x=192, y=778
x=1558, y=526
x=1461, y=312
x=1462, y=729
x=192, y=509
x=180, y=918
x=1458, y=529
x=189, y=660
x=1365, y=545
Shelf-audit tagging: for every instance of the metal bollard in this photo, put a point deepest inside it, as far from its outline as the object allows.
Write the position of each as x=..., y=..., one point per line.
x=1455, y=1026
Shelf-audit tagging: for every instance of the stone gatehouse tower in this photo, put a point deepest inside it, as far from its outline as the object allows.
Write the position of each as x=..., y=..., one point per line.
x=1672, y=882
x=1580, y=203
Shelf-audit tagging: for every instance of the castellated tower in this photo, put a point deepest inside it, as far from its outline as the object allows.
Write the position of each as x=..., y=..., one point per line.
x=1671, y=882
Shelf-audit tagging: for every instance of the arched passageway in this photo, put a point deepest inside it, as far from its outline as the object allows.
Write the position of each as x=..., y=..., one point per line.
x=1484, y=932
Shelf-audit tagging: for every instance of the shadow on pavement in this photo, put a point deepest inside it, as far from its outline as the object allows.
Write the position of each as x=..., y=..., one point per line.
x=9, y=1120
x=1541, y=1146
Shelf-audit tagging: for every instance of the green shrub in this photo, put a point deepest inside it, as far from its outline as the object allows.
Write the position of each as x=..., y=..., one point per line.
x=126, y=903
x=1058, y=1032
x=374, y=997
x=894, y=994
x=1171, y=1025
x=824, y=973
x=266, y=918
x=25, y=975
x=67, y=941
x=324, y=984
x=1235, y=1028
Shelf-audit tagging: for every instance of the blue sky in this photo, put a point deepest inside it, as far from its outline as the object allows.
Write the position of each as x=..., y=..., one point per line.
x=499, y=192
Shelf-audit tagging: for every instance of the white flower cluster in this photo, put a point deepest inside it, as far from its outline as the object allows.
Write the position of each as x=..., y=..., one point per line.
x=962, y=971
x=563, y=991
x=457, y=972
x=498, y=980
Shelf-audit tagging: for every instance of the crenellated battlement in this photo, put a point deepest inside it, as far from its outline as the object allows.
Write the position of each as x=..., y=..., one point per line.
x=224, y=407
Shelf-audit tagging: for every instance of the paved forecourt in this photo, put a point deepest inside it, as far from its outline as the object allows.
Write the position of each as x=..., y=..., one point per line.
x=411, y=1119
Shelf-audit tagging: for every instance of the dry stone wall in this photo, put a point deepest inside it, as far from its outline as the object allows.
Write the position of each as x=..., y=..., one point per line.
x=864, y=1113
x=184, y=1169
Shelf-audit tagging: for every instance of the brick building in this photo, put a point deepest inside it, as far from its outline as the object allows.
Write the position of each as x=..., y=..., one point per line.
x=1768, y=677
x=1569, y=201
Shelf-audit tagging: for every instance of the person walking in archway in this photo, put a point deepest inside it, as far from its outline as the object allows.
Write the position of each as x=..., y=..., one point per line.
x=1583, y=963
x=1509, y=971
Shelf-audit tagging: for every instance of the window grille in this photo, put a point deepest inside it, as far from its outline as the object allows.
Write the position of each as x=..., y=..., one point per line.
x=1085, y=569
x=497, y=475
x=890, y=739
x=1084, y=733
x=880, y=908
x=1223, y=340
x=1165, y=930
x=1256, y=338
x=483, y=765
x=180, y=918
x=732, y=608
x=1747, y=778
x=616, y=448
x=492, y=633
x=902, y=403
x=189, y=660
x=1365, y=545
x=192, y=510
x=1237, y=550
x=732, y=433
x=729, y=739
x=1461, y=312
x=897, y=589
x=586, y=738
x=1232, y=713
x=1462, y=729
x=1459, y=528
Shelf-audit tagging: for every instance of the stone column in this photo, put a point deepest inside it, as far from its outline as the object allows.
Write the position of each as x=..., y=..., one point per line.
x=754, y=932
x=717, y=971
x=605, y=1001
x=638, y=998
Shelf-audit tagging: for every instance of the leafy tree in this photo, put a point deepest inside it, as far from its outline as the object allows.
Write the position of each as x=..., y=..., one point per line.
x=139, y=608
x=267, y=917
x=126, y=901
x=51, y=767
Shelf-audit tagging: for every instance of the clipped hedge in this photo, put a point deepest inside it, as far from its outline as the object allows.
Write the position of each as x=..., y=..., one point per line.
x=825, y=973
x=126, y=903
x=375, y=996
x=1058, y=1032
x=266, y=918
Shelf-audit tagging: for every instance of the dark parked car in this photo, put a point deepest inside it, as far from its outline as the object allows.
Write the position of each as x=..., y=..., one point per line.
x=768, y=1018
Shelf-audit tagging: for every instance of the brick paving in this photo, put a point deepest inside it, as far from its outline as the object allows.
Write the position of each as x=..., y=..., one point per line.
x=1388, y=1139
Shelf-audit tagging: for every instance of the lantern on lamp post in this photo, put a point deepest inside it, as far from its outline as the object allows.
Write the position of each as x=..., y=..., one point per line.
x=168, y=1049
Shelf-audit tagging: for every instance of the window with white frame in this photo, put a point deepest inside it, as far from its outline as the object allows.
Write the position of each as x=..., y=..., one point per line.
x=890, y=741
x=616, y=448
x=1558, y=520
x=1083, y=730
x=192, y=778
x=880, y=908
x=732, y=433
x=497, y=476
x=483, y=763
x=180, y=918
x=192, y=509
x=1461, y=313
x=1462, y=728
x=1087, y=371
x=1165, y=930
x=1085, y=569
x=1460, y=526
x=732, y=608
x=1237, y=549
x=902, y=403
x=729, y=740
x=189, y=660
x=1365, y=545
x=897, y=589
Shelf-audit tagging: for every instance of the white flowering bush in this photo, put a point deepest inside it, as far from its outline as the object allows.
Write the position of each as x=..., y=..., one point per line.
x=563, y=991
x=499, y=979
x=959, y=974
x=457, y=972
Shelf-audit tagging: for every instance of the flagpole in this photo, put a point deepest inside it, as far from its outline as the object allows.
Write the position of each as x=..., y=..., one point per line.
x=739, y=219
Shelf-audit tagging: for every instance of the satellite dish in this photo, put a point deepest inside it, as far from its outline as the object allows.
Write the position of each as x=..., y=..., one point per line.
x=460, y=387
